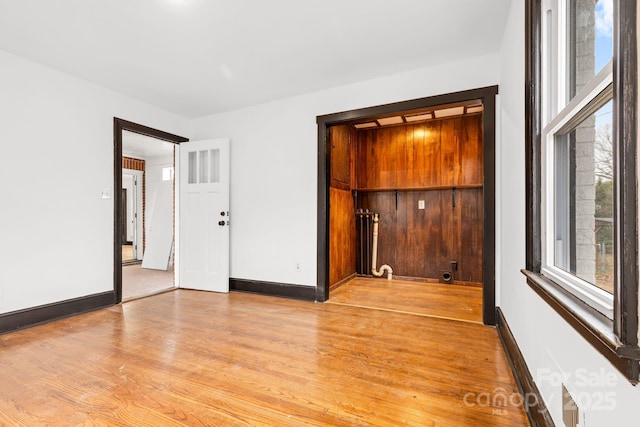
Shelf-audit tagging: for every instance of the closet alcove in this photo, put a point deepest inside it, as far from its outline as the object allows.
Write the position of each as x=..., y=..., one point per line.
x=422, y=172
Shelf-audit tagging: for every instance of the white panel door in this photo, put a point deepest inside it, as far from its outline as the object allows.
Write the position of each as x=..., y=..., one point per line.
x=204, y=215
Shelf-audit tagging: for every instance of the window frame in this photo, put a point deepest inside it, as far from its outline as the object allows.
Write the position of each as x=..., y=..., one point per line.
x=593, y=96
x=616, y=337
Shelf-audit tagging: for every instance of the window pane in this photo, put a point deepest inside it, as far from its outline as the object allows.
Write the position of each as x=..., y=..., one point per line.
x=167, y=174
x=204, y=166
x=590, y=41
x=193, y=167
x=215, y=166
x=583, y=186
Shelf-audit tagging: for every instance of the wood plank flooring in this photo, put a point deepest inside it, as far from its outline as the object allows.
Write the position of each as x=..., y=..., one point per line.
x=196, y=358
x=428, y=299
x=127, y=252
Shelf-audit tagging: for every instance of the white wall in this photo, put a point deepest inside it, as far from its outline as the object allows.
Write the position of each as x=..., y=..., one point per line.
x=274, y=164
x=551, y=347
x=56, y=232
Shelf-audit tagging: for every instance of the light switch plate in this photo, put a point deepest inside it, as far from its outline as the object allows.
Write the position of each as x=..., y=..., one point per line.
x=420, y=204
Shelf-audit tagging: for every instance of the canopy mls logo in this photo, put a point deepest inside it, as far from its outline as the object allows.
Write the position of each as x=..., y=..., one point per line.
x=590, y=390
x=500, y=400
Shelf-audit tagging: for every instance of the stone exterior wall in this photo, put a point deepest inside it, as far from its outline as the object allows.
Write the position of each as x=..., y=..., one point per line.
x=585, y=136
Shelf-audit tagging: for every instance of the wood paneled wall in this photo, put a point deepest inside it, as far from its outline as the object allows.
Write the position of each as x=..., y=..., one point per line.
x=131, y=163
x=436, y=153
x=423, y=242
x=342, y=226
x=401, y=165
x=342, y=250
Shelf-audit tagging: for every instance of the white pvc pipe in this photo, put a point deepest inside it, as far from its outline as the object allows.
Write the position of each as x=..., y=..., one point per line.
x=374, y=253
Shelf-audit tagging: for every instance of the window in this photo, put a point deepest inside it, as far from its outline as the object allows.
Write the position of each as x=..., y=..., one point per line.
x=581, y=135
x=578, y=88
x=582, y=193
x=167, y=174
x=204, y=167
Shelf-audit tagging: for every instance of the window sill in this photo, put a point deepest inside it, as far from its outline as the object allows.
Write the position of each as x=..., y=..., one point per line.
x=596, y=328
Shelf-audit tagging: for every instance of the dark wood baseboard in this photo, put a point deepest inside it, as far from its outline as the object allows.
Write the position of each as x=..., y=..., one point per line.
x=45, y=313
x=534, y=404
x=341, y=282
x=305, y=293
x=435, y=281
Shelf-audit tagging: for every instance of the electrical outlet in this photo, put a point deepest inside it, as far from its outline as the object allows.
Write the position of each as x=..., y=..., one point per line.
x=420, y=204
x=298, y=269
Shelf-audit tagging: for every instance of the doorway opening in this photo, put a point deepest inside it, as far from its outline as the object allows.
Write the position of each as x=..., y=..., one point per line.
x=144, y=214
x=133, y=203
x=422, y=174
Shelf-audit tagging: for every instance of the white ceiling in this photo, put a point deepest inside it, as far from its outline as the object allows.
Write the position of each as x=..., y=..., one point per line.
x=144, y=147
x=198, y=57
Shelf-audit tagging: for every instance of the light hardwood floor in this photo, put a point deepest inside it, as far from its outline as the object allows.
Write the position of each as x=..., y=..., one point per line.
x=127, y=253
x=196, y=358
x=447, y=301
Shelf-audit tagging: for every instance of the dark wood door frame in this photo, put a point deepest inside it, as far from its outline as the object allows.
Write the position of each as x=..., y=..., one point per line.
x=120, y=125
x=487, y=95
